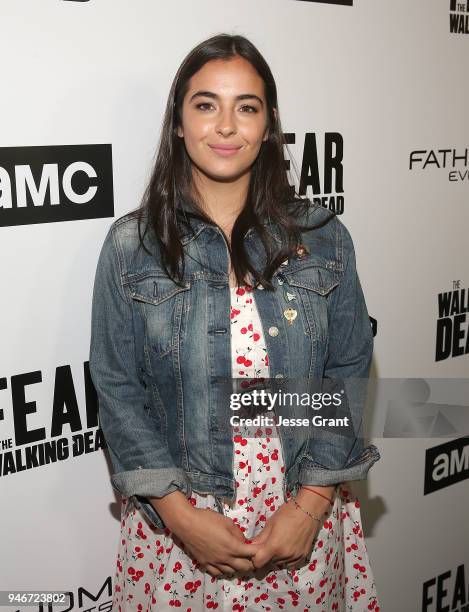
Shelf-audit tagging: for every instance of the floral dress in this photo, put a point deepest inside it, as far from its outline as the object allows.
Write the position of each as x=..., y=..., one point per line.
x=154, y=573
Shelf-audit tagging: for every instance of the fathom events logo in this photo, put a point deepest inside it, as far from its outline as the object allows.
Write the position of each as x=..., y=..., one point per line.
x=46, y=184
x=446, y=464
x=454, y=163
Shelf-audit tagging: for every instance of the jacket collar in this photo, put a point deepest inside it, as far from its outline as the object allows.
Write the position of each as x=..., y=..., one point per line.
x=184, y=212
x=198, y=224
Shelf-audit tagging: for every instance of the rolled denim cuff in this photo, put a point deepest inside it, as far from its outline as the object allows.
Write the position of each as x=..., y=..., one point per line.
x=142, y=483
x=313, y=473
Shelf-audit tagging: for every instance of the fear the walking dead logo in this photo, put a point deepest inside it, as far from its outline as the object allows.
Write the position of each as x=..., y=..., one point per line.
x=452, y=333
x=447, y=591
x=322, y=169
x=34, y=442
x=459, y=16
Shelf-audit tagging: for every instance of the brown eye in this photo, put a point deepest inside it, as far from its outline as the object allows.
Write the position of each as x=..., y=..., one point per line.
x=252, y=109
x=203, y=104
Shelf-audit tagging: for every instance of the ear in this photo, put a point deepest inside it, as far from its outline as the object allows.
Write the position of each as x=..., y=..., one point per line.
x=179, y=131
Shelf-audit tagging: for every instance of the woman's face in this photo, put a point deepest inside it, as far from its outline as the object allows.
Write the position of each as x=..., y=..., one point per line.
x=224, y=118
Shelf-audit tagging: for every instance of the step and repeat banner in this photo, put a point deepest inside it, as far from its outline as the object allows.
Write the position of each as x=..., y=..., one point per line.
x=374, y=99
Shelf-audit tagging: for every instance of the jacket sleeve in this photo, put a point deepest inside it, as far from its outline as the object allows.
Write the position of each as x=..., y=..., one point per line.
x=331, y=458
x=142, y=463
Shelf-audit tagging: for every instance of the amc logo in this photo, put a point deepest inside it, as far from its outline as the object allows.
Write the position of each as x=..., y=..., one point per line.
x=56, y=183
x=446, y=464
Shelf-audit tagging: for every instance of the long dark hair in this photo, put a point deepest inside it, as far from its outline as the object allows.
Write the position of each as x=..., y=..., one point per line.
x=269, y=197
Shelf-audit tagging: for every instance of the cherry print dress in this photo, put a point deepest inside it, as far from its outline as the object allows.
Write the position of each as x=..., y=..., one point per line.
x=154, y=573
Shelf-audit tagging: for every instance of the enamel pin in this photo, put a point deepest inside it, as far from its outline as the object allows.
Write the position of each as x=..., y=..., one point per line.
x=290, y=315
x=289, y=296
x=301, y=251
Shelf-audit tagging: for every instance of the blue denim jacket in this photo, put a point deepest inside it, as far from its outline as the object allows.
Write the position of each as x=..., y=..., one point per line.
x=157, y=348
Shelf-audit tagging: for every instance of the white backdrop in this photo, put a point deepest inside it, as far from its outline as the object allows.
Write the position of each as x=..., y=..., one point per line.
x=389, y=78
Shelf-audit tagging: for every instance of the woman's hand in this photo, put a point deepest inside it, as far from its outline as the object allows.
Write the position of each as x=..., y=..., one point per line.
x=288, y=535
x=216, y=543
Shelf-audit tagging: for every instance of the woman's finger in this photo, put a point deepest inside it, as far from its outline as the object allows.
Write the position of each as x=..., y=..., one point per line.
x=212, y=570
x=226, y=570
x=285, y=561
x=295, y=562
x=242, y=565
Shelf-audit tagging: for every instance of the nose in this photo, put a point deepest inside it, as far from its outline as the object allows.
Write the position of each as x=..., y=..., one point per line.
x=226, y=124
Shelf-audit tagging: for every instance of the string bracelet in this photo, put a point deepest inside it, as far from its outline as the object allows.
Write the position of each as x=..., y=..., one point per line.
x=317, y=493
x=306, y=511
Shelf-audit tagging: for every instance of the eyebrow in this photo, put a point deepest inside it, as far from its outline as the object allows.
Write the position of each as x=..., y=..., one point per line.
x=211, y=94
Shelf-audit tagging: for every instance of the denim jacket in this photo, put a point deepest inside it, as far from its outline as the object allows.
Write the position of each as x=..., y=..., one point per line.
x=157, y=348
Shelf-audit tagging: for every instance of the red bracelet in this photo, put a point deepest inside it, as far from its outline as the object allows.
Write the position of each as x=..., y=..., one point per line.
x=317, y=493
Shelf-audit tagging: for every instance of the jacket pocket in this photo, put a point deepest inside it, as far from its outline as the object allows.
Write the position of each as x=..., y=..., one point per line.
x=312, y=285
x=164, y=306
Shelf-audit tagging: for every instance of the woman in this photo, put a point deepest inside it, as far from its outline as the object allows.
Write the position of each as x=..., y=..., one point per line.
x=223, y=274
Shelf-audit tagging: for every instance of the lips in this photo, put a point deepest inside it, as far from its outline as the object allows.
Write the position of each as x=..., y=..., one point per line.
x=225, y=147
x=225, y=150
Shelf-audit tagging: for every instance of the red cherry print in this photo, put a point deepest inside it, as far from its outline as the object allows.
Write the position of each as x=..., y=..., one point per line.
x=259, y=486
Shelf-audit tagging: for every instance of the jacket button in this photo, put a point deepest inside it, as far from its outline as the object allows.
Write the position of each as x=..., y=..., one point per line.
x=273, y=331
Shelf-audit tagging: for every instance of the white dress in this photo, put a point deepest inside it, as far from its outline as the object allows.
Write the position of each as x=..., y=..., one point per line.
x=154, y=573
